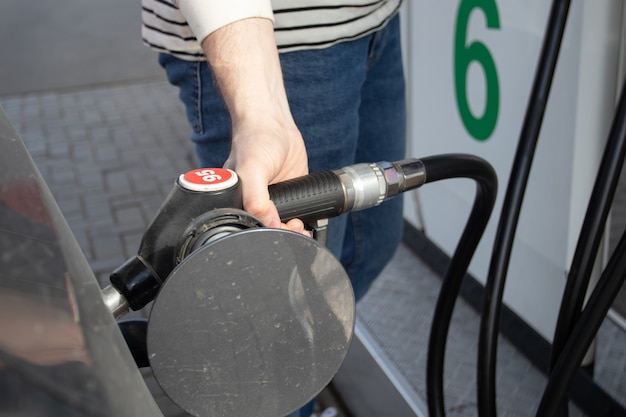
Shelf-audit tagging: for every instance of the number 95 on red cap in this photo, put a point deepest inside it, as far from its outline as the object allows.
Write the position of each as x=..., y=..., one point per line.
x=208, y=179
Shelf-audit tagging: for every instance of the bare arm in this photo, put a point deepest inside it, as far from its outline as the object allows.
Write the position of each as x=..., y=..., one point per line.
x=267, y=146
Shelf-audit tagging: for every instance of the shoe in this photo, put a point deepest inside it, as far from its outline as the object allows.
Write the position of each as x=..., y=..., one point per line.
x=329, y=412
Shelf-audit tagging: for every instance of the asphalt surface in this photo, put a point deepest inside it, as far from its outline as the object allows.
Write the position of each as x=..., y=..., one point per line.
x=61, y=44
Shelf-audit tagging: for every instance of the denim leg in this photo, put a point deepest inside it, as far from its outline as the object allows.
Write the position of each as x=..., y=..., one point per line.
x=349, y=103
x=323, y=88
x=373, y=235
x=205, y=109
x=305, y=411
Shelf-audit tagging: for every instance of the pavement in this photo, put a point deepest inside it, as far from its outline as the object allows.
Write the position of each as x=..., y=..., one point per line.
x=109, y=155
x=92, y=105
x=64, y=44
x=110, y=136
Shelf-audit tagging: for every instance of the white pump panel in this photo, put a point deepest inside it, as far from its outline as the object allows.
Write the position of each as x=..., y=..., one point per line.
x=444, y=39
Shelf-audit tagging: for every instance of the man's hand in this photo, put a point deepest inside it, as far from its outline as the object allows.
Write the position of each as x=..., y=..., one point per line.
x=267, y=147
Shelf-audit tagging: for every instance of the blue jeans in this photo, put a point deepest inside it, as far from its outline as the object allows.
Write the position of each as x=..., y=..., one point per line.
x=349, y=103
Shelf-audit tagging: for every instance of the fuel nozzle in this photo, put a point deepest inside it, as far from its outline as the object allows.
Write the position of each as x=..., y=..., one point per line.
x=187, y=213
x=206, y=204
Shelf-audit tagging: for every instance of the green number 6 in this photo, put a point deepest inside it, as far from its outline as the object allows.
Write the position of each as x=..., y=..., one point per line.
x=479, y=127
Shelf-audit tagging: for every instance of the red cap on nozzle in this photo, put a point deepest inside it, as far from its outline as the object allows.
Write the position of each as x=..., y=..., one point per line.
x=208, y=179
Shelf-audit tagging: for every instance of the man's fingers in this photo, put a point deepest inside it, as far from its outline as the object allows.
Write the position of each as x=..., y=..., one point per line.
x=256, y=201
x=296, y=225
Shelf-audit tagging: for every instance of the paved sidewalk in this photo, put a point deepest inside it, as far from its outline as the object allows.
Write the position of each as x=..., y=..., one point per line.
x=60, y=44
x=109, y=155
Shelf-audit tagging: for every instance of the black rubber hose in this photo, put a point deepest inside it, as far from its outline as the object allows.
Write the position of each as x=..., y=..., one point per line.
x=440, y=168
x=592, y=229
x=505, y=234
x=590, y=320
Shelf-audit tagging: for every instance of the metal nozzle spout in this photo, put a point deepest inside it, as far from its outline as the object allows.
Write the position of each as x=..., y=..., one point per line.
x=116, y=303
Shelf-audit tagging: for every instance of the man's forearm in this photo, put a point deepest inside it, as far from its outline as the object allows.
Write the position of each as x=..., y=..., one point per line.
x=244, y=60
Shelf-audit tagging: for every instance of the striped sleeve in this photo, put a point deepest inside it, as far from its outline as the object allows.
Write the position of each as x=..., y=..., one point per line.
x=165, y=29
x=311, y=25
x=206, y=16
x=175, y=26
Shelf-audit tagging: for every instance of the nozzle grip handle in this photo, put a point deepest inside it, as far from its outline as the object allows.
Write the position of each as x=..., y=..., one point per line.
x=312, y=197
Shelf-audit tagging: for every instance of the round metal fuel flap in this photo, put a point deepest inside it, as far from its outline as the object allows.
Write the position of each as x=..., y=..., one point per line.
x=254, y=324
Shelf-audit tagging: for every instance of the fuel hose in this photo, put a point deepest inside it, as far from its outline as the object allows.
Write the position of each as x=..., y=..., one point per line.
x=440, y=168
x=507, y=225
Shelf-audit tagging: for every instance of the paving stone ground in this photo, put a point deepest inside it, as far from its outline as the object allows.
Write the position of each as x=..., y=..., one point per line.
x=110, y=156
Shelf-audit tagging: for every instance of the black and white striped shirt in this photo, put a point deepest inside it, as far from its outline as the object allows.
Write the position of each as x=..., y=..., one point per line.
x=175, y=26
